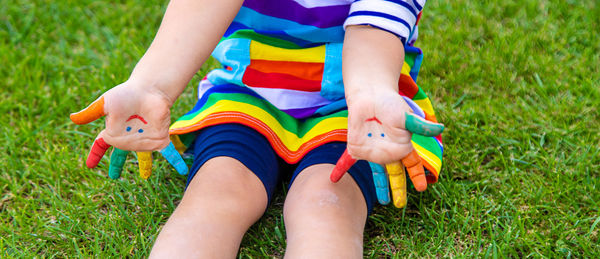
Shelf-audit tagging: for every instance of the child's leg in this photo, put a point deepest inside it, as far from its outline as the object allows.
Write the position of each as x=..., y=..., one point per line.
x=324, y=219
x=221, y=202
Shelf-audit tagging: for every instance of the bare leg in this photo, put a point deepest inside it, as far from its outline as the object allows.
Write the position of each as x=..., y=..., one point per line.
x=324, y=219
x=223, y=200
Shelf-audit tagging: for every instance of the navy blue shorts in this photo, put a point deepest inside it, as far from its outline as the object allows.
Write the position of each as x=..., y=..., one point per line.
x=254, y=151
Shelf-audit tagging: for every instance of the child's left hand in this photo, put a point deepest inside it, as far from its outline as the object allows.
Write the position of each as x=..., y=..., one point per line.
x=380, y=128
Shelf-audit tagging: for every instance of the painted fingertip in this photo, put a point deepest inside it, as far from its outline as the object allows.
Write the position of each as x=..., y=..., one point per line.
x=381, y=183
x=175, y=159
x=117, y=162
x=342, y=166
x=418, y=125
x=96, y=152
x=145, y=164
x=91, y=113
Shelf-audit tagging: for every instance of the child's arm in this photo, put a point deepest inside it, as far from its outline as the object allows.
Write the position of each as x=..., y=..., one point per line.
x=137, y=111
x=379, y=118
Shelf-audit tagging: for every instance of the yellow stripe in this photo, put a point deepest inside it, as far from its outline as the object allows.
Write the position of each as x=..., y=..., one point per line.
x=289, y=139
x=266, y=52
x=432, y=159
x=405, y=69
x=425, y=104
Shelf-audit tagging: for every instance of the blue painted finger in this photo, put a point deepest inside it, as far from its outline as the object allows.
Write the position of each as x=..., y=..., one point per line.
x=174, y=158
x=117, y=161
x=418, y=125
x=381, y=183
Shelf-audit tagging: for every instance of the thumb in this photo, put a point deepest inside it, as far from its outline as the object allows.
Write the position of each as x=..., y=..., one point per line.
x=418, y=125
x=90, y=113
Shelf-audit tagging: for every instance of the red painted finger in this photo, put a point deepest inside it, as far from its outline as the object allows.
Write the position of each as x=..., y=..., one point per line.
x=415, y=169
x=96, y=153
x=90, y=113
x=342, y=165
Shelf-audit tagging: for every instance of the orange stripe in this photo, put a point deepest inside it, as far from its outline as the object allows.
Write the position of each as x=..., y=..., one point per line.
x=287, y=155
x=430, y=117
x=304, y=70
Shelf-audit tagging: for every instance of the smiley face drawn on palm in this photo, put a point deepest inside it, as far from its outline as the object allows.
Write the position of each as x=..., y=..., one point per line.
x=376, y=130
x=132, y=126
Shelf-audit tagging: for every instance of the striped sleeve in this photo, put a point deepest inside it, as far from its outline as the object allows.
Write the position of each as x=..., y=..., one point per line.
x=396, y=16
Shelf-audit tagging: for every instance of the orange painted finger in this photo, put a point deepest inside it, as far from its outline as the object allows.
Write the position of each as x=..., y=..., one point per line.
x=397, y=177
x=415, y=169
x=90, y=113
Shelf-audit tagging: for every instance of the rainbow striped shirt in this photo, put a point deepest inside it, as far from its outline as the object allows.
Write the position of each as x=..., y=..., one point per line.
x=282, y=72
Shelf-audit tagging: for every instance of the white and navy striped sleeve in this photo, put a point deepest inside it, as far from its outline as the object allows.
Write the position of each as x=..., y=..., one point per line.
x=396, y=16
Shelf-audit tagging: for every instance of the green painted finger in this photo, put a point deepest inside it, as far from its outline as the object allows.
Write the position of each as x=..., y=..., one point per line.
x=418, y=125
x=117, y=161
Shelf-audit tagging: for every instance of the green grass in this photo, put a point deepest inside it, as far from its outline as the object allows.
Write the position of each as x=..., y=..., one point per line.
x=517, y=84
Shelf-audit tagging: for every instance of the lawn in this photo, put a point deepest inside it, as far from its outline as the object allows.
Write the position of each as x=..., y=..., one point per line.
x=517, y=84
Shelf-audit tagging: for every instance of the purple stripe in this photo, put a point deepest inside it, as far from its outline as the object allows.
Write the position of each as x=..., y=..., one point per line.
x=301, y=113
x=322, y=17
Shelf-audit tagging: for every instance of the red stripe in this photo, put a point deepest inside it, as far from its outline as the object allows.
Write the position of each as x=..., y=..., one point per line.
x=407, y=86
x=302, y=70
x=255, y=78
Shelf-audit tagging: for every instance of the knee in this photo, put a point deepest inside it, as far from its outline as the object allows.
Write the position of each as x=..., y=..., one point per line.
x=225, y=186
x=314, y=192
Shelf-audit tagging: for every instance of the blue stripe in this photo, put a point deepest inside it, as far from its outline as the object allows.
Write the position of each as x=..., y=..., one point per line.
x=251, y=18
x=417, y=5
x=382, y=15
x=405, y=5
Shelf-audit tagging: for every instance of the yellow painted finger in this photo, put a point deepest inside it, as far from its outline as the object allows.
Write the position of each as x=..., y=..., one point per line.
x=145, y=163
x=397, y=177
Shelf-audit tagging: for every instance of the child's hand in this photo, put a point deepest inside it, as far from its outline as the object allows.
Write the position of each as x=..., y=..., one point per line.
x=380, y=128
x=137, y=119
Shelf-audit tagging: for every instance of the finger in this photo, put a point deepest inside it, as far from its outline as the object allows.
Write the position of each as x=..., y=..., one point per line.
x=174, y=158
x=145, y=164
x=397, y=183
x=96, y=153
x=90, y=113
x=342, y=165
x=117, y=161
x=418, y=125
x=381, y=183
x=415, y=169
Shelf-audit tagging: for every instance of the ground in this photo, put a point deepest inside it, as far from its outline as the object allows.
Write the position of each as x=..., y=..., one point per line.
x=517, y=84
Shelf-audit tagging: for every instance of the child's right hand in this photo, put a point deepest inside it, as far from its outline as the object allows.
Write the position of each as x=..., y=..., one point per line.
x=137, y=119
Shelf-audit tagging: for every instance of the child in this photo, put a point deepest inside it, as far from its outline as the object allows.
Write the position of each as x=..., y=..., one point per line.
x=278, y=98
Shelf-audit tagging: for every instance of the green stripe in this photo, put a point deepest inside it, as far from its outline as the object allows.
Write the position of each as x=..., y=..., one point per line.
x=252, y=35
x=287, y=122
x=429, y=143
x=420, y=95
x=410, y=58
